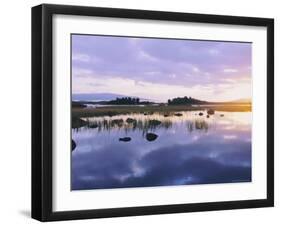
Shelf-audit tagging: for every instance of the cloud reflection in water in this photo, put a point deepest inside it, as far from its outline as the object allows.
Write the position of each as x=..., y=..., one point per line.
x=222, y=154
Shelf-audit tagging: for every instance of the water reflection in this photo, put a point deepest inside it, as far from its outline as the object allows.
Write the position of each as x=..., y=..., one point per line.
x=184, y=149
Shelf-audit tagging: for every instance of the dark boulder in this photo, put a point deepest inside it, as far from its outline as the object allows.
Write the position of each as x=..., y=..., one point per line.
x=125, y=139
x=178, y=114
x=208, y=116
x=73, y=145
x=130, y=120
x=222, y=115
x=151, y=136
x=211, y=111
x=201, y=114
x=93, y=126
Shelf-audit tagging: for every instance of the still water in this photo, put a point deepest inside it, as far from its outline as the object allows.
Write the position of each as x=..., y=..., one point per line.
x=140, y=150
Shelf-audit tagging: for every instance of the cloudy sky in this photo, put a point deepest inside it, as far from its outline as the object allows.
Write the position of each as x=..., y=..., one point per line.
x=160, y=69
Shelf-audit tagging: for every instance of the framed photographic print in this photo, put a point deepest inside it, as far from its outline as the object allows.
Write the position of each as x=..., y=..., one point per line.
x=145, y=112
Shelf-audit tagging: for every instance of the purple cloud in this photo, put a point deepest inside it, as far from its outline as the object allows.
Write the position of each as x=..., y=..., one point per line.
x=162, y=61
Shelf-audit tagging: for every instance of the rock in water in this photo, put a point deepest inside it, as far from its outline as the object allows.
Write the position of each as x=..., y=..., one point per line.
x=151, y=136
x=211, y=111
x=93, y=126
x=178, y=114
x=130, y=120
x=222, y=115
x=201, y=113
x=125, y=139
x=73, y=145
x=208, y=116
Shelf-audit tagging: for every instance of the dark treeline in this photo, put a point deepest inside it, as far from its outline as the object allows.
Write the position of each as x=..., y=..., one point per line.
x=136, y=101
x=129, y=101
x=185, y=101
x=174, y=101
x=125, y=101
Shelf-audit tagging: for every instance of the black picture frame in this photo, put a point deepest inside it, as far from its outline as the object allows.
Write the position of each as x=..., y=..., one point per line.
x=42, y=107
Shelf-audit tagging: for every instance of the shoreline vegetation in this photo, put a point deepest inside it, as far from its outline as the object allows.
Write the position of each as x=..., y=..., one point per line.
x=128, y=105
x=80, y=112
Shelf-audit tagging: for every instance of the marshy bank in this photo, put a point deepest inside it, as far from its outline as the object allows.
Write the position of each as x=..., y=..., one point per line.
x=149, y=110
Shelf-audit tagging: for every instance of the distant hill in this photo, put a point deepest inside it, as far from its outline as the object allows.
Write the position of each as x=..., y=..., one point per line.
x=95, y=96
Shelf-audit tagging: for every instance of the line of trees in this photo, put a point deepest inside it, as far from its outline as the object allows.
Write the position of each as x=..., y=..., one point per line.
x=136, y=101
x=185, y=101
x=175, y=101
x=125, y=101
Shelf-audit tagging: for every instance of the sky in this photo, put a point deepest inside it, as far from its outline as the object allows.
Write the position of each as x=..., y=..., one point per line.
x=161, y=69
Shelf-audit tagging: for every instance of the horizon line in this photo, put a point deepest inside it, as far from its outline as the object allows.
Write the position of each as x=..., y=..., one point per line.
x=248, y=99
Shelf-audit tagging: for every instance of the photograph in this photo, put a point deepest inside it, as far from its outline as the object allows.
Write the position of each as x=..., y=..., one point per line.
x=150, y=111
x=145, y=112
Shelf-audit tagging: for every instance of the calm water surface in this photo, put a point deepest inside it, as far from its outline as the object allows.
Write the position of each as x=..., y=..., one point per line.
x=185, y=149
